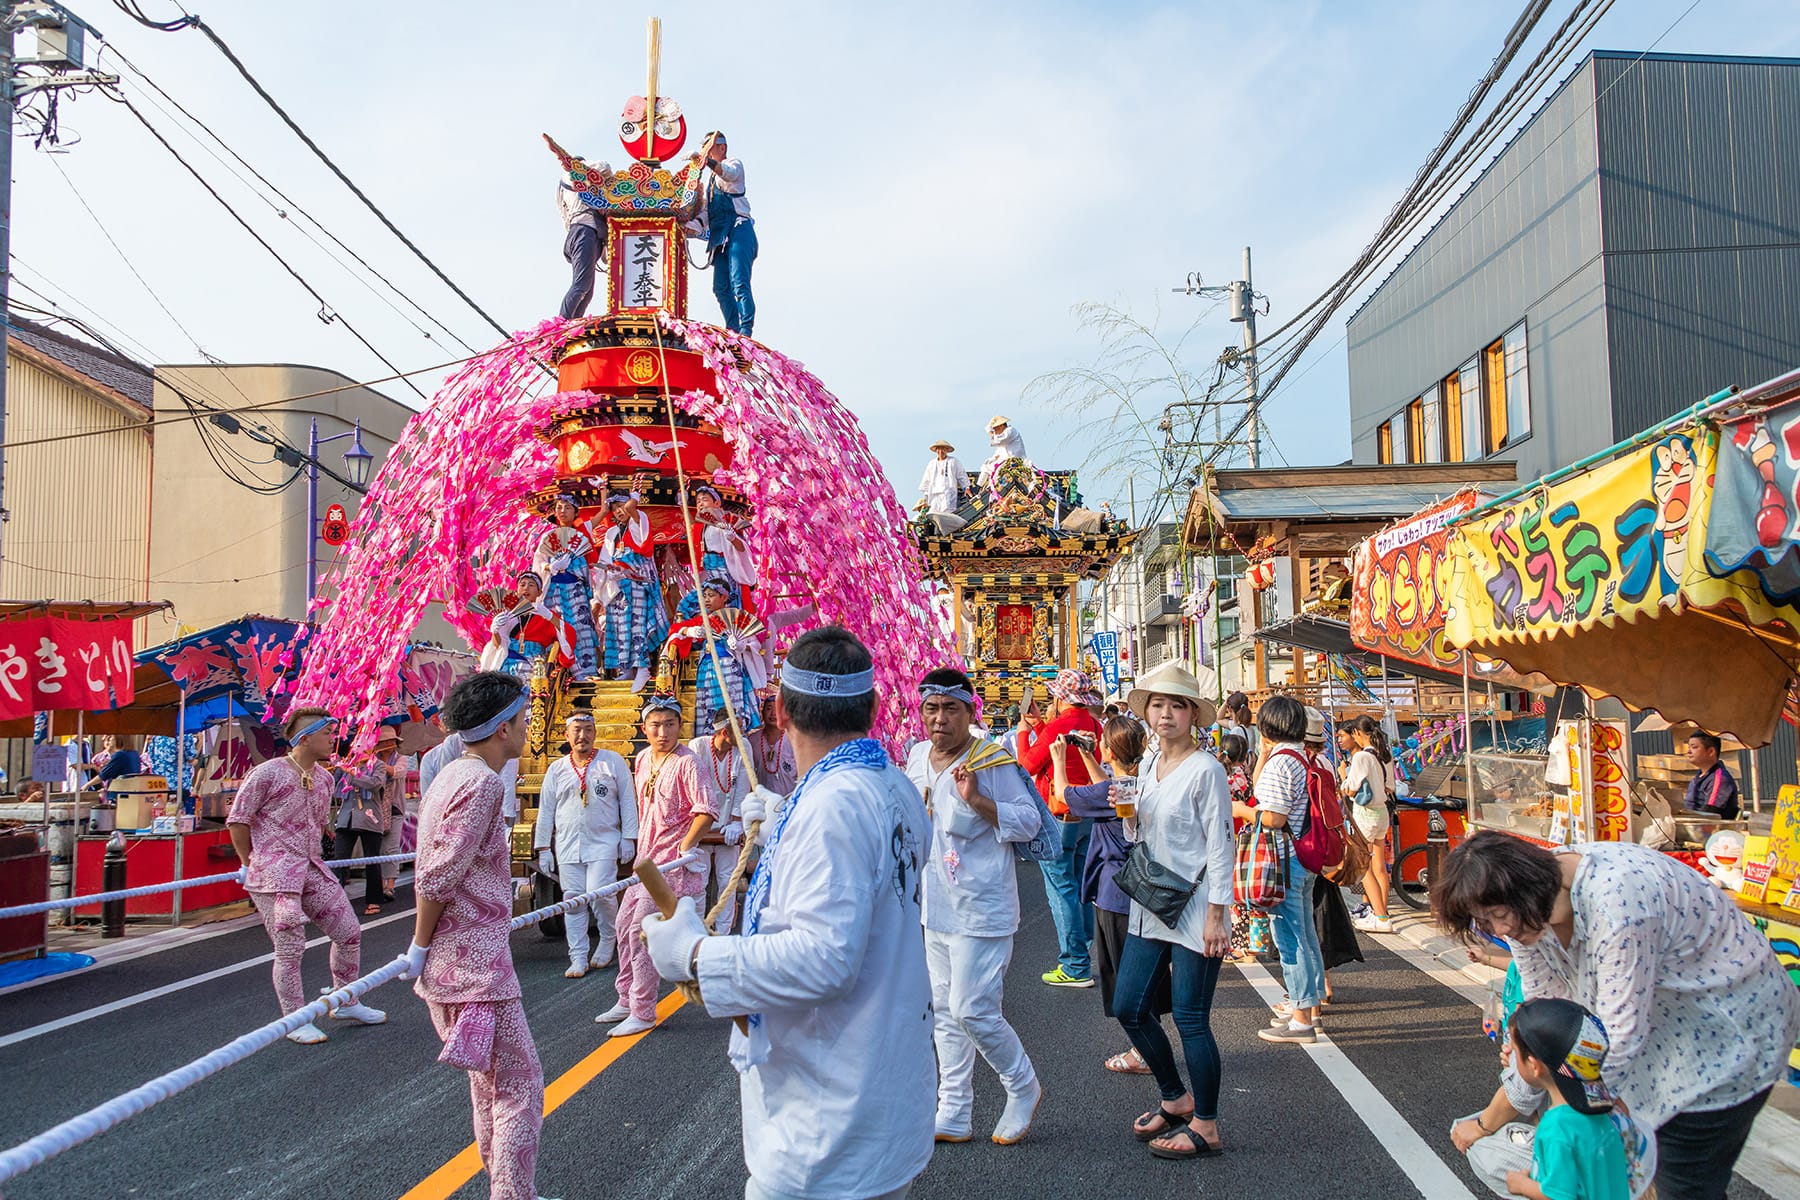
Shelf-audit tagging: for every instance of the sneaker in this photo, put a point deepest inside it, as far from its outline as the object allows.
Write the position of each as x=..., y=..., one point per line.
x=1061, y=978
x=1373, y=924
x=631, y=1026
x=1282, y=1022
x=1360, y=911
x=617, y=1012
x=359, y=1012
x=1287, y=1033
x=307, y=1035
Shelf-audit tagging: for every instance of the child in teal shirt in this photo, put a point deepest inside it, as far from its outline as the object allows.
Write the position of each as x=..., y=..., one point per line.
x=1558, y=1047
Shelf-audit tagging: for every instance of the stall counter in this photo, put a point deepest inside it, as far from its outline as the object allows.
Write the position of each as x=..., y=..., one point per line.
x=150, y=858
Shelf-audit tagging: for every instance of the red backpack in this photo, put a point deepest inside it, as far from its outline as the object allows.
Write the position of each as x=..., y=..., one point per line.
x=1321, y=847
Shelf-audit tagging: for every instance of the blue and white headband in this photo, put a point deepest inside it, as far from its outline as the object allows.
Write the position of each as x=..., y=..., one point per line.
x=312, y=728
x=487, y=728
x=719, y=584
x=823, y=683
x=949, y=692
x=660, y=703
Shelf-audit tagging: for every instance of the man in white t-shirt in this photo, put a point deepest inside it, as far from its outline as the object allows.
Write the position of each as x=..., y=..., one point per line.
x=587, y=825
x=837, y=1079
x=980, y=802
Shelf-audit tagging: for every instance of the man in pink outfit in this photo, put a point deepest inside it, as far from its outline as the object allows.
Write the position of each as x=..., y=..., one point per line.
x=674, y=810
x=276, y=822
x=461, y=955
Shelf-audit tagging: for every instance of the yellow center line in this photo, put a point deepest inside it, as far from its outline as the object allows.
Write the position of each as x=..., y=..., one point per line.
x=448, y=1179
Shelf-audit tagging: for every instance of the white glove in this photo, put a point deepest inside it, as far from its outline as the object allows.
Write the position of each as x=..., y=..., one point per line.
x=734, y=833
x=672, y=940
x=414, y=959
x=758, y=805
x=559, y=563
x=243, y=874
x=627, y=850
x=547, y=862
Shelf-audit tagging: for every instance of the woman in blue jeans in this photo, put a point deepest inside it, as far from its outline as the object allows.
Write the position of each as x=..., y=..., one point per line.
x=1184, y=822
x=1281, y=803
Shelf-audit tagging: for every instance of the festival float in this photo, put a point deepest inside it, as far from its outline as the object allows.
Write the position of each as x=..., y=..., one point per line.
x=1007, y=565
x=648, y=466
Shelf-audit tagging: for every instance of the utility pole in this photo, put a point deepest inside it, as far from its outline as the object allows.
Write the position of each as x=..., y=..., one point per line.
x=1243, y=308
x=60, y=37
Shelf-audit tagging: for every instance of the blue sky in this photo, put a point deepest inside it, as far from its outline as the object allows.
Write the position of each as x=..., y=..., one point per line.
x=936, y=186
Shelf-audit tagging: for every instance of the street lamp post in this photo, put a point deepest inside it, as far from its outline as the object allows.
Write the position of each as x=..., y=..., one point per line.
x=357, y=461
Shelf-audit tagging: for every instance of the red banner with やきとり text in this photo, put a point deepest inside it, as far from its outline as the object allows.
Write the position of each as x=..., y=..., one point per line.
x=1402, y=578
x=55, y=663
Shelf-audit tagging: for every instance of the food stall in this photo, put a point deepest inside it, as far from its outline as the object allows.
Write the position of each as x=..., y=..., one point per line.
x=60, y=661
x=1661, y=575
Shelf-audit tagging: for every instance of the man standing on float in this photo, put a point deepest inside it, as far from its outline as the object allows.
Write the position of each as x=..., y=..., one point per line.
x=730, y=235
x=836, y=1073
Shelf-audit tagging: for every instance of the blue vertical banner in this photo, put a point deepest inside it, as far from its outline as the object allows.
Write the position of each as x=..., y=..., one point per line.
x=1105, y=644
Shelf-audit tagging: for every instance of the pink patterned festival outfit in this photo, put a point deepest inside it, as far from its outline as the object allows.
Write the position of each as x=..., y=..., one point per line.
x=286, y=876
x=665, y=811
x=464, y=863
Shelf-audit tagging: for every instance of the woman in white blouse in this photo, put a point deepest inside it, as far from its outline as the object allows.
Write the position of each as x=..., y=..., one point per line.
x=1699, y=1011
x=1184, y=822
x=1368, y=783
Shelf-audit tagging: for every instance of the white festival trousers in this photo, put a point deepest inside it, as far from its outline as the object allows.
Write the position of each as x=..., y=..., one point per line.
x=756, y=1191
x=968, y=976
x=723, y=861
x=583, y=877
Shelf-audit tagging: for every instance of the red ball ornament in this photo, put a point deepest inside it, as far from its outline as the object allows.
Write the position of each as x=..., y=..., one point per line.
x=658, y=144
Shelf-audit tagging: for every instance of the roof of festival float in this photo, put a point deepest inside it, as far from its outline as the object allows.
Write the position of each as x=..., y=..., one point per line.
x=1027, y=520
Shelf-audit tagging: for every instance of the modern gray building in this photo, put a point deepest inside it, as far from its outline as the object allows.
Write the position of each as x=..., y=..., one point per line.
x=1635, y=248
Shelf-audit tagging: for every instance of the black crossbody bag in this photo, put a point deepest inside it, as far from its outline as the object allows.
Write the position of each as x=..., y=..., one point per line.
x=1160, y=891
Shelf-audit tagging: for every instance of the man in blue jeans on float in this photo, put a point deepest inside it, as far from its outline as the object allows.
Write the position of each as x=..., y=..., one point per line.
x=730, y=234
x=1073, y=695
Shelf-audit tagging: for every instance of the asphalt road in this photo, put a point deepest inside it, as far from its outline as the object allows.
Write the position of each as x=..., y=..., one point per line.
x=371, y=1114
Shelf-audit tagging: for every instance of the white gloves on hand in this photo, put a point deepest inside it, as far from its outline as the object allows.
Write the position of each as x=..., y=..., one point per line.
x=627, y=850
x=733, y=833
x=758, y=805
x=672, y=940
x=547, y=862
x=414, y=958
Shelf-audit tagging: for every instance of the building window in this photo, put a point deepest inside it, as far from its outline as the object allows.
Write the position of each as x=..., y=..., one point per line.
x=1473, y=427
x=1430, y=427
x=1451, y=388
x=1494, y=385
x=1518, y=385
x=1384, y=442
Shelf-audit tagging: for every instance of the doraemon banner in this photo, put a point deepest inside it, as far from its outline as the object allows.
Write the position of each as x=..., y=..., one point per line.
x=1756, y=502
x=1601, y=582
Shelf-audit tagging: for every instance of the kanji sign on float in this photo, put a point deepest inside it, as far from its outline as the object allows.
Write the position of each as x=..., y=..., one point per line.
x=54, y=663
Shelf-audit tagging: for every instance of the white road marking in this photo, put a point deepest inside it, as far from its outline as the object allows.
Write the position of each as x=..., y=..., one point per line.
x=1427, y=1171
x=101, y=1010
x=1771, y=1157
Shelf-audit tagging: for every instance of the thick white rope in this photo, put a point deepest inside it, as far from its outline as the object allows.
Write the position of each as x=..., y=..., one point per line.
x=152, y=889
x=103, y=1117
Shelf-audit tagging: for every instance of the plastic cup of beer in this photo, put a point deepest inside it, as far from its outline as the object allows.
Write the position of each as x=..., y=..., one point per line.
x=1125, y=804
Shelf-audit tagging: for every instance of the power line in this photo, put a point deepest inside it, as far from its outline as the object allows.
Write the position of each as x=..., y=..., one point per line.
x=187, y=21
x=291, y=203
x=326, y=312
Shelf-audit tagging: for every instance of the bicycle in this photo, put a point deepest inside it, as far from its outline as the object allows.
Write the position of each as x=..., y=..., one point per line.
x=1416, y=862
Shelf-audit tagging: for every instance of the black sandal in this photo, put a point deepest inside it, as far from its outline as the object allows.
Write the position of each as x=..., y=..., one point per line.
x=1197, y=1146
x=1170, y=1121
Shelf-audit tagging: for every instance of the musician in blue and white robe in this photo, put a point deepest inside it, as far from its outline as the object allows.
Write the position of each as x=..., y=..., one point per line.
x=741, y=670
x=564, y=560
x=636, y=621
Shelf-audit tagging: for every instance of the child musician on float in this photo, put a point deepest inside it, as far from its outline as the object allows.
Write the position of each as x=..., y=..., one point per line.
x=276, y=819
x=836, y=1075
x=674, y=812
x=723, y=552
x=737, y=639
x=565, y=560
x=631, y=593
x=530, y=631
x=461, y=954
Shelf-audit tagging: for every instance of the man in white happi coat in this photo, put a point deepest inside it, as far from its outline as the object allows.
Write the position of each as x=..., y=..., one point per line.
x=980, y=802
x=587, y=812
x=835, y=1065
x=724, y=778
x=945, y=479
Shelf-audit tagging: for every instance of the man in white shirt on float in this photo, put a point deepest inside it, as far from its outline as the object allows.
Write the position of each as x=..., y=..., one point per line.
x=725, y=779
x=836, y=1076
x=587, y=812
x=980, y=802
